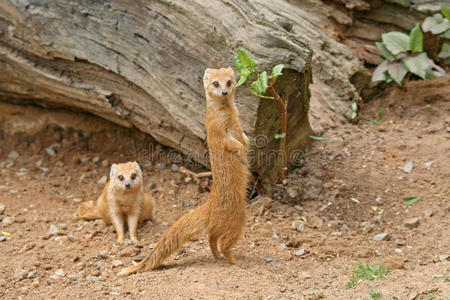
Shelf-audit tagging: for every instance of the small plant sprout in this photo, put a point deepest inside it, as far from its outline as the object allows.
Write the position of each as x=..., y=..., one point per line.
x=367, y=272
x=380, y=114
x=245, y=65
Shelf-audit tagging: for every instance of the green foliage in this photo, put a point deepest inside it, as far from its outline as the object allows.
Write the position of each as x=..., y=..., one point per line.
x=380, y=114
x=375, y=295
x=404, y=54
x=367, y=272
x=280, y=135
x=260, y=86
x=410, y=200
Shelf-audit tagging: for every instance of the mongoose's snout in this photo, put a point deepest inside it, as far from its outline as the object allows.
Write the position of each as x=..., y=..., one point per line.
x=128, y=185
x=224, y=93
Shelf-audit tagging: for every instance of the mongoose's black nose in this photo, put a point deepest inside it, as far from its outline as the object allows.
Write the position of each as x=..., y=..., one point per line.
x=127, y=185
x=224, y=93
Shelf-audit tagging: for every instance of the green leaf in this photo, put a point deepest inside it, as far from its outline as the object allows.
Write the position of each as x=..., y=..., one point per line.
x=243, y=79
x=244, y=62
x=380, y=113
x=395, y=42
x=354, y=110
x=280, y=135
x=317, y=138
x=436, y=24
x=446, y=35
x=445, y=11
x=410, y=200
x=335, y=139
x=441, y=28
x=384, y=51
x=397, y=71
x=445, y=51
x=260, y=86
x=355, y=200
x=415, y=40
x=276, y=70
x=380, y=72
x=418, y=64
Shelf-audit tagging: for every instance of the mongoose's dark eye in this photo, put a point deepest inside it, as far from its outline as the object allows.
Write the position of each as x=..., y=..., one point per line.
x=229, y=83
x=216, y=84
x=133, y=176
x=120, y=177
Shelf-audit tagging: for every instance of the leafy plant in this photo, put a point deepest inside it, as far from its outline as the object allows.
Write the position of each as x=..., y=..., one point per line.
x=367, y=272
x=405, y=54
x=245, y=64
x=410, y=200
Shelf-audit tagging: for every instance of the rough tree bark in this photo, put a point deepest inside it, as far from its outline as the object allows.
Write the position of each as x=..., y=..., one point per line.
x=140, y=63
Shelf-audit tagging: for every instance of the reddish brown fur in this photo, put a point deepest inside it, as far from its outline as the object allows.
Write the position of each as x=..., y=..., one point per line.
x=117, y=205
x=223, y=215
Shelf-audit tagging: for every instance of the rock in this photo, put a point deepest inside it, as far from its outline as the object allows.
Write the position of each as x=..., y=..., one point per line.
x=283, y=246
x=366, y=224
x=2, y=238
x=152, y=185
x=95, y=273
x=269, y=260
x=300, y=226
x=9, y=165
x=30, y=275
x=443, y=257
x=161, y=166
x=60, y=273
x=99, y=264
x=20, y=275
x=345, y=229
x=116, y=263
x=72, y=238
x=39, y=163
x=103, y=254
x=77, y=200
x=428, y=164
x=382, y=237
x=188, y=203
x=102, y=181
x=428, y=213
x=379, y=201
x=175, y=168
x=305, y=275
x=2, y=208
x=315, y=222
x=13, y=155
x=50, y=151
x=300, y=252
x=398, y=251
x=53, y=229
x=72, y=277
x=7, y=221
x=164, y=223
x=128, y=252
x=412, y=223
x=399, y=242
x=91, y=278
x=84, y=159
x=96, y=159
x=408, y=167
x=104, y=163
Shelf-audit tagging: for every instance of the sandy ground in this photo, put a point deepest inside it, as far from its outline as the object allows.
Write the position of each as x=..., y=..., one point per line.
x=345, y=193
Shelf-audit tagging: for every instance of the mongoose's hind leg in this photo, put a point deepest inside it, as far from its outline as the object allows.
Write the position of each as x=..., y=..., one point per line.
x=213, y=244
x=227, y=241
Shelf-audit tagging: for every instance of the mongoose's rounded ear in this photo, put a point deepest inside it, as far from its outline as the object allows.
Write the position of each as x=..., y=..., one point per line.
x=112, y=173
x=207, y=74
x=230, y=70
x=138, y=168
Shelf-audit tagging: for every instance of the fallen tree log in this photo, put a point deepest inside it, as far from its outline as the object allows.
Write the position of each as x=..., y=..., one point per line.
x=140, y=63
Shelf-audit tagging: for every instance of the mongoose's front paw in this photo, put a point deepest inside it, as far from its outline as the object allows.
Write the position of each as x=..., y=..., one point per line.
x=120, y=240
x=134, y=240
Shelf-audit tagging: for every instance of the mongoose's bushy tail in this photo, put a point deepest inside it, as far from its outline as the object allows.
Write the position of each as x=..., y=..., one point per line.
x=88, y=211
x=182, y=231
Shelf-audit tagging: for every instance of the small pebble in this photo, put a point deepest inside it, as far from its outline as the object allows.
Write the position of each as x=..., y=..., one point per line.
x=161, y=166
x=381, y=237
x=50, y=151
x=53, y=229
x=300, y=252
x=116, y=263
x=7, y=221
x=2, y=238
x=305, y=276
x=175, y=168
x=412, y=223
x=269, y=260
x=408, y=167
x=2, y=208
x=13, y=155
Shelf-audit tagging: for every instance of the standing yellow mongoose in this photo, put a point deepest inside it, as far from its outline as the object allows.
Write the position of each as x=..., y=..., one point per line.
x=223, y=215
x=122, y=200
